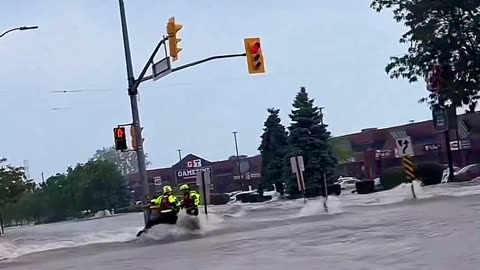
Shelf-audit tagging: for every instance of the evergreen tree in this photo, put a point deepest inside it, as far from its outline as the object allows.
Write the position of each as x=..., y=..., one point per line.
x=273, y=149
x=309, y=138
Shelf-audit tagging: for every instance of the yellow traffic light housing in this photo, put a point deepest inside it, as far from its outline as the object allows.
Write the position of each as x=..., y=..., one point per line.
x=173, y=39
x=253, y=49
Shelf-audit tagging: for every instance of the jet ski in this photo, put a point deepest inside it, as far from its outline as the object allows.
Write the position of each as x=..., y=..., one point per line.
x=158, y=218
x=190, y=222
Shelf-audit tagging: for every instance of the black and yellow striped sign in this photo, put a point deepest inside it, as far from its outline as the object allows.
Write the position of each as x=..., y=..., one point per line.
x=409, y=167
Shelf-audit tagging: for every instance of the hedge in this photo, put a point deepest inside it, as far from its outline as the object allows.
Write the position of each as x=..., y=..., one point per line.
x=430, y=173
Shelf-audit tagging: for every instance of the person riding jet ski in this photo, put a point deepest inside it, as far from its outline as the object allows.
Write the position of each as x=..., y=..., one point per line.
x=164, y=210
x=191, y=200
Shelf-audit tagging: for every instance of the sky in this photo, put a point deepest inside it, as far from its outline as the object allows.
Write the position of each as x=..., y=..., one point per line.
x=338, y=50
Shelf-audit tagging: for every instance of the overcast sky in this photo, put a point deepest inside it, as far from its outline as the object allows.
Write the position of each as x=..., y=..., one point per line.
x=337, y=49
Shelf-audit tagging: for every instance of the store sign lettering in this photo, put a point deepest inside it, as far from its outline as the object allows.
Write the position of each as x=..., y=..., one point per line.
x=191, y=173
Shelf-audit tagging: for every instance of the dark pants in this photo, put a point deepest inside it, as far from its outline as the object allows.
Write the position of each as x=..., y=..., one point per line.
x=192, y=211
x=164, y=218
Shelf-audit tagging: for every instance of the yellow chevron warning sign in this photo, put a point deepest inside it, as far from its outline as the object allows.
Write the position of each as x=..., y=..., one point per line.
x=409, y=167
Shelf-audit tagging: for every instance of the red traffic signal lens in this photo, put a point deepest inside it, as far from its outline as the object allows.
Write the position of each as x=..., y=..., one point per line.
x=255, y=48
x=120, y=133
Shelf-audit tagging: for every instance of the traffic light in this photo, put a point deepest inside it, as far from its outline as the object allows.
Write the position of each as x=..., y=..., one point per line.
x=120, y=138
x=134, y=136
x=173, y=40
x=253, y=49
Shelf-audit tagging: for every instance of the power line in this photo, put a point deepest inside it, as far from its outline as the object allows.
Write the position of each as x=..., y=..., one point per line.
x=195, y=83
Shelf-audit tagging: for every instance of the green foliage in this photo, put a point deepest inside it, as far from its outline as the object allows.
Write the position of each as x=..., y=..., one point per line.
x=13, y=183
x=341, y=149
x=430, y=173
x=309, y=137
x=273, y=149
x=439, y=32
x=95, y=185
x=392, y=177
x=125, y=161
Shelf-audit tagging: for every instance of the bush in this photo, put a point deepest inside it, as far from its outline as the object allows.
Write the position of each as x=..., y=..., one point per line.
x=129, y=209
x=219, y=198
x=316, y=191
x=254, y=198
x=429, y=172
x=392, y=177
x=365, y=187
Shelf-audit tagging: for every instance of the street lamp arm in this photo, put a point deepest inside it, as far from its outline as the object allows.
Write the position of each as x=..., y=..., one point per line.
x=22, y=28
x=8, y=31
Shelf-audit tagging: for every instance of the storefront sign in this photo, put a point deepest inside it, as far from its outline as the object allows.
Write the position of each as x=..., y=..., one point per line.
x=465, y=144
x=189, y=173
x=382, y=154
x=432, y=147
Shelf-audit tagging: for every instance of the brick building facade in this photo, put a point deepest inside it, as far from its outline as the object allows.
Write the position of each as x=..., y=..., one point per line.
x=225, y=174
x=375, y=149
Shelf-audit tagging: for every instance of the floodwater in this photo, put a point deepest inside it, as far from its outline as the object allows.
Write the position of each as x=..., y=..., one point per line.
x=386, y=230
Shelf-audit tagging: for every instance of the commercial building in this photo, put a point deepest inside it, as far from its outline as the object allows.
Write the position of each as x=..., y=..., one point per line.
x=227, y=175
x=374, y=149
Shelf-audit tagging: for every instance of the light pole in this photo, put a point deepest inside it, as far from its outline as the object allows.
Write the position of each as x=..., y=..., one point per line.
x=321, y=114
x=238, y=157
x=179, y=154
x=22, y=28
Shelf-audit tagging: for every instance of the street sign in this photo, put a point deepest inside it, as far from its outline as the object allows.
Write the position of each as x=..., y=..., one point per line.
x=440, y=120
x=298, y=167
x=161, y=69
x=203, y=181
x=404, y=146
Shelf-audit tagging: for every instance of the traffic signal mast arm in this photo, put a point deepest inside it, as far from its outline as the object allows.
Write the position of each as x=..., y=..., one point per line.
x=173, y=40
x=147, y=78
x=208, y=59
x=141, y=77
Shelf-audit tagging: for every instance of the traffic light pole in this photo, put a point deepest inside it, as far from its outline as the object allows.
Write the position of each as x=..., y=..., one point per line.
x=132, y=92
x=133, y=85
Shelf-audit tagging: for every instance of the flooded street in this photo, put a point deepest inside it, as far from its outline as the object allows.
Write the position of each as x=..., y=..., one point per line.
x=387, y=230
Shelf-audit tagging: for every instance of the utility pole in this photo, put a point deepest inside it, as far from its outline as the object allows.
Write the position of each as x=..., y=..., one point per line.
x=238, y=157
x=132, y=92
x=321, y=114
x=179, y=154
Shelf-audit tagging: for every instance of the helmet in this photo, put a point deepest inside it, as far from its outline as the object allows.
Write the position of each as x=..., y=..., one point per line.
x=184, y=187
x=167, y=189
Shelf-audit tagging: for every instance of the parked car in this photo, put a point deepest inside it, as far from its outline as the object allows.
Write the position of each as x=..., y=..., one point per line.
x=347, y=183
x=470, y=171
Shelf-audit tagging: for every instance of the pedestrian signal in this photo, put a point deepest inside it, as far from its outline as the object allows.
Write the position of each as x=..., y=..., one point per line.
x=120, y=138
